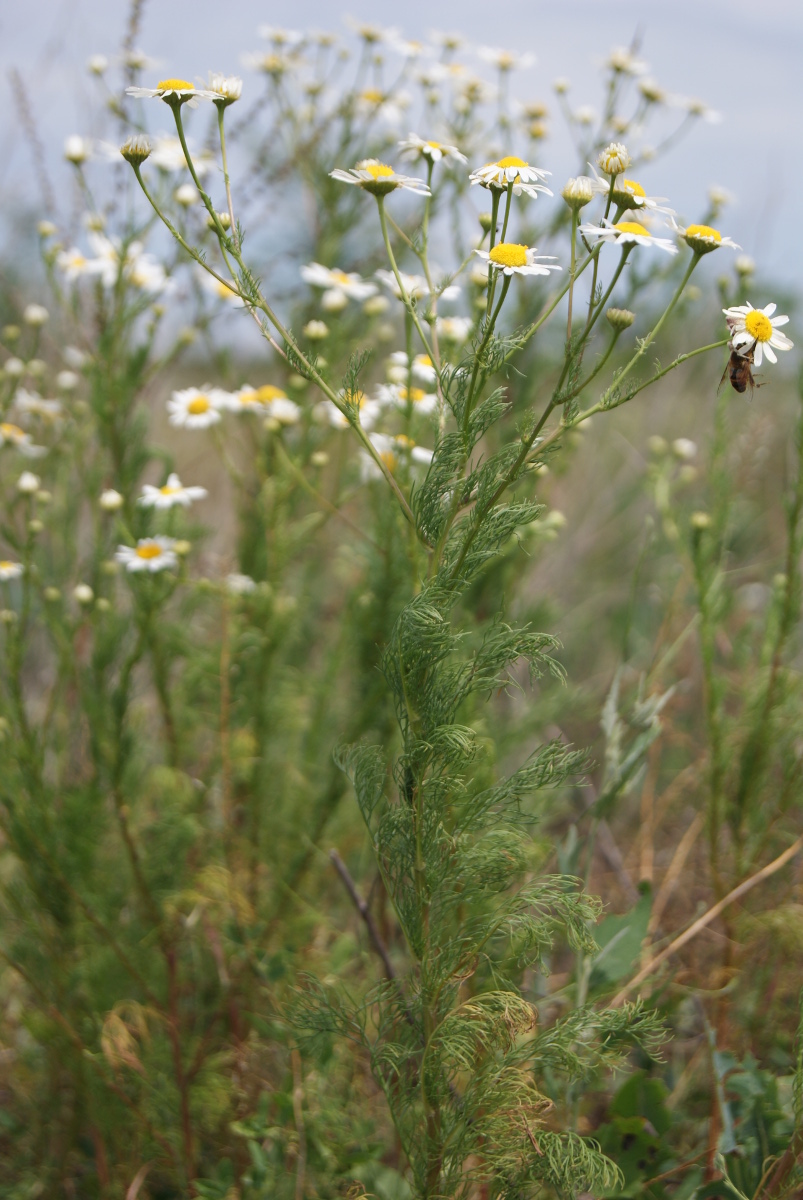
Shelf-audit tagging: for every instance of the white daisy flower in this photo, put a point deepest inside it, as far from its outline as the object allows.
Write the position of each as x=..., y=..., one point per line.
x=32, y=402
x=35, y=315
x=227, y=88
x=703, y=238
x=279, y=36
x=504, y=60
x=625, y=232
x=168, y=155
x=77, y=149
x=379, y=179
x=513, y=259
x=239, y=585
x=12, y=435
x=149, y=554
x=756, y=329
x=415, y=286
x=454, y=329
x=136, y=149
x=111, y=500
x=415, y=147
x=526, y=180
x=614, y=159
x=28, y=483
x=374, y=105
x=372, y=35
x=196, y=408
x=173, y=91
x=399, y=396
x=267, y=401
x=369, y=411
x=170, y=494
x=622, y=60
x=9, y=570
x=408, y=48
x=627, y=193
x=349, y=284
x=423, y=368
x=74, y=264
x=391, y=450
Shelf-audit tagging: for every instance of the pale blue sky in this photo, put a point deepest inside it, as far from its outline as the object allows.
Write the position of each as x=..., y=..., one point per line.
x=745, y=59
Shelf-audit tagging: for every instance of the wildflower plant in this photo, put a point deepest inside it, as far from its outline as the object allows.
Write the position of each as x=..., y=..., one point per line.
x=219, y=788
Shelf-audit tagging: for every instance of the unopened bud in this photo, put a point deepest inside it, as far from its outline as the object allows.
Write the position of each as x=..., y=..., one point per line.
x=36, y=315
x=578, y=192
x=614, y=159
x=83, y=593
x=620, y=318
x=136, y=149
x=700, y=520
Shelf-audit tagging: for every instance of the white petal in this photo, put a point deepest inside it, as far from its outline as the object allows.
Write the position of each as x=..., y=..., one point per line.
x=770, y=353
x=758, y=353
x=780, y=321
x=769, y=310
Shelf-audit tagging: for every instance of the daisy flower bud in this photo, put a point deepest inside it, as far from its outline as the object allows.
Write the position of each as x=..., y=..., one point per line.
x=46, y=229
x=186, y=195
x=110, y=500
x=136, y=149
x=578, y=192
x=561, y=85
x=620, y=318
x=97, y=64
x=51, y=594
x=375, y=306
x=684, y=449
x=10, y=333
x=35, y=314
x=227, y=89
x=657, y=445
x=28, y=483
x=700, y=521
x=77, y=150
x=614, y=159
x=316, y=331
x=83, y=593
x=745, y=265
x=14, y=367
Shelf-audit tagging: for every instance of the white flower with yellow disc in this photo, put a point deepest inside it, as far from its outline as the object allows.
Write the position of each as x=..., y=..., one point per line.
x=415, y=147
x=525, y=179
x=379, y=179
x=513, y=259
x=173, y=91
x=9, y=570
x=368, y=410
x=12, y=435
x=170, y=494
x=627, y=232
x=400, y=396
x=757, y=329
x=196, y=408
x=149, y=554
x=346, y=283
x=703, y=238
x=392, y=451
x=628, y=193
x=415, y=286
x=267, y=401
x=422, y=368
x=220, y=290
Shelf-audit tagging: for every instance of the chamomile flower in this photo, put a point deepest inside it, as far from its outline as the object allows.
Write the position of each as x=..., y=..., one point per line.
x=504, y=60
x=111, y=500
x=623, y=61
x=625, y=233
x=149, y=554
x=454, y=329
x=170, y=494
x=279, y=36
x=12, y=435
x=756, y=329
x=628, y=193
x=173, y=91
x=267, y=401
x=379, y=179
x=414, y=146
x=240, y=585
x=614, y=159
x=703, y=238
x=526, y=180
x=513, y=259
x=74, y=264
x=194, y=408
x=349, y=284
x=423, y=368
x=369, y=411
x=219, y=290
x=227, y=88
x=400, y=396
x=36, y=405
x=415, y=286
x=78, y=150
x=9, y=570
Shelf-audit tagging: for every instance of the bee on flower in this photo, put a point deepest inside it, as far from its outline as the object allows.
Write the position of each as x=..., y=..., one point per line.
x=510, y=258
x=757, y=331
x=150, y=554
x=626, y=233
x=416, y=147
x=194, y=408
x=526, y=180
x=379, y=179
x=170, y=494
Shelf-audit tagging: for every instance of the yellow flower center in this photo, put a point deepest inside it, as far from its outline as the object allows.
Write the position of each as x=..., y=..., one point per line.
x=423, y=360
x=635, y=189
x=633, y=227
x=198, y=405
x=372, y=96
x=390, y=460
x=403, y=440
x=509, y=254
x=223, y=289
x=355, y=398
x=340, y=277
x=512, y=162
x=267, y=393
x=175, y=85
x=434, y=145
x=5, y=564
x=758, y=326
x=378, y=170
x=413, y=394
x=703, y=231
x=149, y=550
x=12, y=432
x=169, y=491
